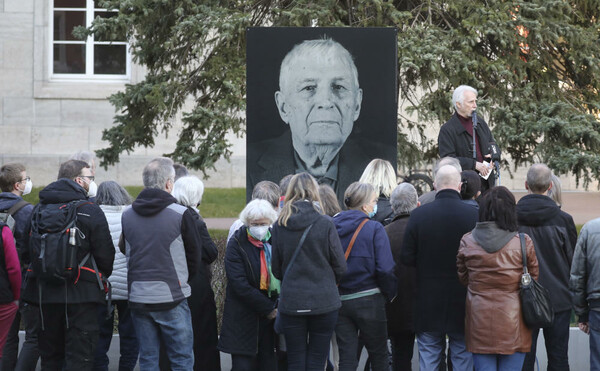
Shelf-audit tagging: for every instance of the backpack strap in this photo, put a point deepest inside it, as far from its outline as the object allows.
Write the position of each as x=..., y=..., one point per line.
x=16, y=207
x=351, y=244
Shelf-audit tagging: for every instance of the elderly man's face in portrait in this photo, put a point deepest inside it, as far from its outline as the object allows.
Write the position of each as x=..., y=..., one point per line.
x=320, y=100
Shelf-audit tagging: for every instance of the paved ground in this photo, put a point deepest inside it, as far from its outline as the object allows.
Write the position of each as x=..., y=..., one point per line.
x=583, y=206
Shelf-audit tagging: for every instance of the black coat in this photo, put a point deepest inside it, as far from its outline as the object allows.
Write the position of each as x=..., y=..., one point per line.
x=93, y=225
x=400, y=312
x=454, y=141
x=431, y=242
x=246, y=306
x=310, y=285
x=554, y=236
x=385, y=214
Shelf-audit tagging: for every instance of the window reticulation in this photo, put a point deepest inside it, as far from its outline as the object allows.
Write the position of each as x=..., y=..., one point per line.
x=72, y=58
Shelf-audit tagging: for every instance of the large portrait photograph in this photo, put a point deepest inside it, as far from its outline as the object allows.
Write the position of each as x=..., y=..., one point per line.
x=320, y=100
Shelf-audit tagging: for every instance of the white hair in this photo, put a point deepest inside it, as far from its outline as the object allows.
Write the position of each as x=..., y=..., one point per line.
x=452, y=161
x=459, y=94
x=188, y=190
x=258, y=209
x=404, y=198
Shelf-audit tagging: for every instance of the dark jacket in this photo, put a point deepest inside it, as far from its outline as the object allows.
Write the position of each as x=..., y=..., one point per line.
x=10, y=269
x=585, y=272
x=21, y=217
x=554, y=236
x=431, y=243
x=310, y=285
x=454, y=141
x=370, y=263
x=246, y=306
x=157, y=226
x=490, y=264
x=92, y=224
x=385, y=214
x=400, y=312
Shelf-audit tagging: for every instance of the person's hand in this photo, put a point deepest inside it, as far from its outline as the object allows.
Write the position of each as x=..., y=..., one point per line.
x=273, y=314
x=584, y=326
x=482, y=168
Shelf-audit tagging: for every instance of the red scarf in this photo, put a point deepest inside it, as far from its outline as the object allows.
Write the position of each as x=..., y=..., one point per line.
x=264, y=272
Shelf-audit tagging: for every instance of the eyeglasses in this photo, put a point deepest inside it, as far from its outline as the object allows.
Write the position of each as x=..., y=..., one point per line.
x=90, y=177
x=26, y=179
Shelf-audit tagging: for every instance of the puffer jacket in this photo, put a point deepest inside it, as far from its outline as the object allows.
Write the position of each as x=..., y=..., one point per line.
x=490, y=264
x=585, y=271
x=118, y=279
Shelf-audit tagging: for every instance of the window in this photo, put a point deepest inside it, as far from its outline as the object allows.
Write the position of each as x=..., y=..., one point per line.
x=71, y=58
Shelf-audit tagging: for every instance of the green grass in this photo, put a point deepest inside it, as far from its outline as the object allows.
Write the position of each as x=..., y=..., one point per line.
x=216, y=202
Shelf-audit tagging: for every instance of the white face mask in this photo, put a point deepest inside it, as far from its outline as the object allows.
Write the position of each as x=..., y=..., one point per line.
x=259, y=232
x=28, y=187
x=93, y=189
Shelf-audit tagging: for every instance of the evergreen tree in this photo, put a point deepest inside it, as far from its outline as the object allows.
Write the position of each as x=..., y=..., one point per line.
x=536, y=65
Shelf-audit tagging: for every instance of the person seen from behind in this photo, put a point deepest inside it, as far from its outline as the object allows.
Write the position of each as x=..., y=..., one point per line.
x=381, y=175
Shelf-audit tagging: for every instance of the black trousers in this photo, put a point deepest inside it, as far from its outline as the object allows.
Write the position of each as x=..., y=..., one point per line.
x=68, y=339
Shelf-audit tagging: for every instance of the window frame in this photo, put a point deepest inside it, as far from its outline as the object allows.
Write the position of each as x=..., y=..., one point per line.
x=89, y=43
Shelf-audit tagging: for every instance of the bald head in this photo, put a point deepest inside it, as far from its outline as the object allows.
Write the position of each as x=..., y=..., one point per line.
x=447, y=177
x=539, y=177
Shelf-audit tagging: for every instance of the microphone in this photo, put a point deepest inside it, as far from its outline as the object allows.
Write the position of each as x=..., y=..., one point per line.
x=474, y=117
x=495, y=152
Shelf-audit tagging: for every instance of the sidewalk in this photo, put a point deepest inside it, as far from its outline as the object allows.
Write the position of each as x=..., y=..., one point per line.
x=583, y=207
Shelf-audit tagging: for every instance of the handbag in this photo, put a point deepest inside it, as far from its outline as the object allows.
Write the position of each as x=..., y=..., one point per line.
x=535, y=300
x=277, y=325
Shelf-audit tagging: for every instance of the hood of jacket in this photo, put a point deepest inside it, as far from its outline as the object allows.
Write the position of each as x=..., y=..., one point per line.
x=347, y=221
x=151, y=201
x=534, y=210
x=304, y=213
x=490, y=237
x=7, y=200
x=63, y=190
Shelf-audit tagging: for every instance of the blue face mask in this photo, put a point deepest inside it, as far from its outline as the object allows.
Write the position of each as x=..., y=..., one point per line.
x=372, y=213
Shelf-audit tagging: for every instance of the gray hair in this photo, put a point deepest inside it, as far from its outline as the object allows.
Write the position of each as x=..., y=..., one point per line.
x=452, y=161
x=358, y=194
x=447, y=177
x=555, y=193
x=318, y=49
x=459, y=94
x=158, y=172
x=180, y=171
x=266, y=190
x=111, y=193
x=404, y=198
x=539, y=177
x=85, y=156
x=188, y=190
x=258, y=209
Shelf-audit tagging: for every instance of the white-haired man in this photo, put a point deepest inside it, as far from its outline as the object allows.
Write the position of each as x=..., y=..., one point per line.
x=319, y=98
x=456, y=136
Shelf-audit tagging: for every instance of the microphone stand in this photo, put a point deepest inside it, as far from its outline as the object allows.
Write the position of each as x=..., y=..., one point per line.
x=474, y=118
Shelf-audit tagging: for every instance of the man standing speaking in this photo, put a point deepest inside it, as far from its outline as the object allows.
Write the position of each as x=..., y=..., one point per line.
x=319, y=98
x=456, y=137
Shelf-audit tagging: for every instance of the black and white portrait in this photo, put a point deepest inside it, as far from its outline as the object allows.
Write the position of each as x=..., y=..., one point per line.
x=321, y=100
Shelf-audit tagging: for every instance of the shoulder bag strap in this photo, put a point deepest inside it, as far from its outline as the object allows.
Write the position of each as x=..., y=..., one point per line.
x=297, y=250
x=523, y=252
x=351, y=244
x=16, y=207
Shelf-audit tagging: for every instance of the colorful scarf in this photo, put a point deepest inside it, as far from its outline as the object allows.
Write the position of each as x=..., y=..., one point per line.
x=268, y=282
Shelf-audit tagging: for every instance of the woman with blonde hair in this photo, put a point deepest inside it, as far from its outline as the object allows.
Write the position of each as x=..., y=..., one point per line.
x=367, y=283
x=308, y=259
x=381, y=175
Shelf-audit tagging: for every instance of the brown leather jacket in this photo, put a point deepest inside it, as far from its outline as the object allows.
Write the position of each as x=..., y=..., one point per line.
x=493, y=321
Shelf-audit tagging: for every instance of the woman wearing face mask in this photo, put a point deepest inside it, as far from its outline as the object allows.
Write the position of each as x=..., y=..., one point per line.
x=368, y=282
x=252, y=291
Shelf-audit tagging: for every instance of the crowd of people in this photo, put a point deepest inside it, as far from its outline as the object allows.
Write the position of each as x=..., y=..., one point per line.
x=310, y=281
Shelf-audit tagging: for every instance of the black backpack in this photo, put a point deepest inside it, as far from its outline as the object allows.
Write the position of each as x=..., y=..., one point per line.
x=55, y=241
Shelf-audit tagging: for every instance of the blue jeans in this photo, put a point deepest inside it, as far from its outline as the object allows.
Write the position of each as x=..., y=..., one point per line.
x=174, y=327
x=556, y=338
x=594, y=323
x=498, y=362
x=127, y=339
x=367, y=315
x=432, y=346
x=307, y=339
